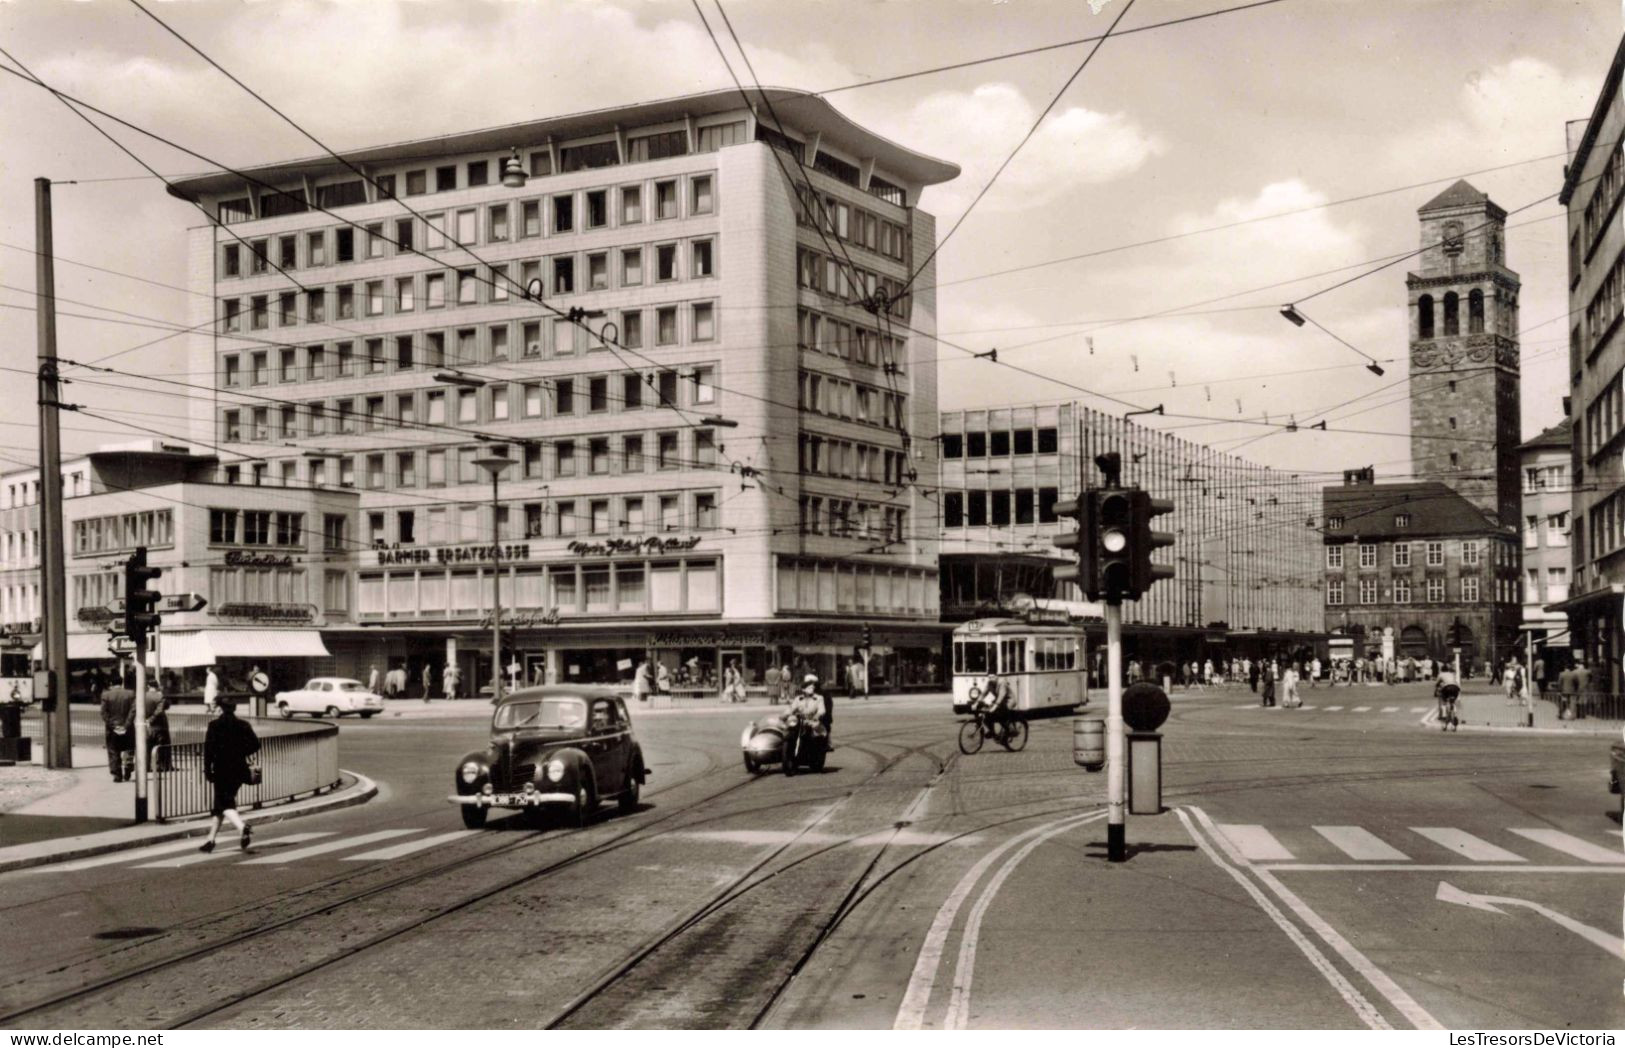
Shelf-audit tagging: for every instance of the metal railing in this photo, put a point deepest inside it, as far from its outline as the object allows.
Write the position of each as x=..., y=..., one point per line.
x=296, y=761
x=1588, y=705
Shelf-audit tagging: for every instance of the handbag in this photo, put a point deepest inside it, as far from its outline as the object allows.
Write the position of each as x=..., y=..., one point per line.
x=254, y=775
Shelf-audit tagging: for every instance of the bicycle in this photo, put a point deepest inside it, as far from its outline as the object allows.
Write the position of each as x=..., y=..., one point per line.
x=1447, y=696
x=1010, y=733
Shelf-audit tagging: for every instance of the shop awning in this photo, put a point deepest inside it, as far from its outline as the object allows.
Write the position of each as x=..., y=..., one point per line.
x=81, y=647
x=183, y=648
x=1614, y=591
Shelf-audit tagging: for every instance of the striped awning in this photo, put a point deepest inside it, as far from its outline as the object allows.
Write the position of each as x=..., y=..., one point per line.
x=82, y=647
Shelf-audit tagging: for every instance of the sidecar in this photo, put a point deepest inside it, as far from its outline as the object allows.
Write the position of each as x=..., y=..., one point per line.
x=762, y=743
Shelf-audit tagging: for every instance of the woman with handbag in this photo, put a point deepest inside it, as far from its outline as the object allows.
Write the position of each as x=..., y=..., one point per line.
x=229, y=747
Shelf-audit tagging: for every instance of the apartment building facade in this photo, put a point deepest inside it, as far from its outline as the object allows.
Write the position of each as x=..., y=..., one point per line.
x=688, y=323
x=1547, y=551
x=1246, y=546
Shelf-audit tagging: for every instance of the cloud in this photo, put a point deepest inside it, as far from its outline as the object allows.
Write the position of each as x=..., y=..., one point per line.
x=1073, y=146
x=1498, y=113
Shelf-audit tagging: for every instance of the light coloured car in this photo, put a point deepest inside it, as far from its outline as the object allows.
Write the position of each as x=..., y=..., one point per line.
x=329, y=697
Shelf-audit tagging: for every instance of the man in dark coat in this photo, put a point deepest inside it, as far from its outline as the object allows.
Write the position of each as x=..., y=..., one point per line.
x=227, y=746
x=118, y=729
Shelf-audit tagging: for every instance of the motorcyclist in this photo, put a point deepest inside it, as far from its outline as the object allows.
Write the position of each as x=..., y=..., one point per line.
x=807, y=708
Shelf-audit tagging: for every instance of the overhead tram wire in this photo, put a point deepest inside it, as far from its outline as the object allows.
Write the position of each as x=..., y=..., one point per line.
x=937, y=247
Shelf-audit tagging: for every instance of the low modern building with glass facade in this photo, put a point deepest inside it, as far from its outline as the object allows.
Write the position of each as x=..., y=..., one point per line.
x=690, y=326
x=1246, y=550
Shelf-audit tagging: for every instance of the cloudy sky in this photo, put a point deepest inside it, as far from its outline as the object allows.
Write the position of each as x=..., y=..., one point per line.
x=1292, y=107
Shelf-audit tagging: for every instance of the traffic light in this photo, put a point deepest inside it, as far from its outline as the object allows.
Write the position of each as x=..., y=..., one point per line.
x=1114, y=567
x=1455, y=633
x=1148, y=541
x=140, y=603
x=1080, y=541
x=868, y=637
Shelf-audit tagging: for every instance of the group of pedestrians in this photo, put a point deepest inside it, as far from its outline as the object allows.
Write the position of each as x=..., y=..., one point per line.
x=230, y=746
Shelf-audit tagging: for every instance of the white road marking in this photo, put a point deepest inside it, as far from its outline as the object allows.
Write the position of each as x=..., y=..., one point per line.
x=1390, y=709
x=1358, y=843
x=1574, y=846
x=1247, y=706
x=1334, y=709
x=1353, y=997
x=1380, y=980
x=959, y=997
x=1439, y=867
x=170, y=847
x=1309, y=707
x=325, y=847
x=1596, y=936
x=1361, y=709
x=225, y=846
x=1420, y=709
x=1256, y=843
x=1466, y=845
x=401, y=850
x=917, y=997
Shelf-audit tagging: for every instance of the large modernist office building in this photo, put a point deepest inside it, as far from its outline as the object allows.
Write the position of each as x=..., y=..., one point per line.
x=1246, y=549
x=727, y=453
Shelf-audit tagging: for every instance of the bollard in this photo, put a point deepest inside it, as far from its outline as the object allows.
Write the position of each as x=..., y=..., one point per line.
x=1089, y=743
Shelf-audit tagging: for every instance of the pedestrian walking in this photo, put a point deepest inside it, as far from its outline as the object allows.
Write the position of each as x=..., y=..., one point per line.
x=229, y=747
x=662, y=679
x=211, y=692
x=428, y=681
x=857, y=679
x=1289, y=688
x=1267, y=672
x=449, y=680
x=1314, y=671
x=1252, y=676
x=1509, y=681
x=372, y=680
x=118, y=729
x=158, y=740
x=642, y=680
x=733, y=682
x=1582, y=689
x=1540, y=677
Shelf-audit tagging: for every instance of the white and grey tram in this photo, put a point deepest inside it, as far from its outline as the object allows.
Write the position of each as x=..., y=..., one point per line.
x=1041, y=666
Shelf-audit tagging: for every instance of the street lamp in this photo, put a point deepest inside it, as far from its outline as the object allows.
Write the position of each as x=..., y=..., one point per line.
x=494, y=465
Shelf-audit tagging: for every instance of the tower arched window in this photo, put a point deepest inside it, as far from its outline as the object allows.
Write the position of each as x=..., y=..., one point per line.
x=1424, y=317
x=1452, y=313
x=1475, y=312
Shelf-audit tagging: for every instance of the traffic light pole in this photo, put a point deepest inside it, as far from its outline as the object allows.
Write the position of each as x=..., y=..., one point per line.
x=1116, y=771
x=141, y=729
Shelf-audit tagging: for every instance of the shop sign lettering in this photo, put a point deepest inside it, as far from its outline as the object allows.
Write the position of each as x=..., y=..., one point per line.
x=523, y=619
x=613, y=547
x=94, y=616
x=267, y=612
x=721, y=639
x=453, y=554
x=242, y=558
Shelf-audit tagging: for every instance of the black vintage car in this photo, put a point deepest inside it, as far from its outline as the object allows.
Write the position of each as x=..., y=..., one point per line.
x=553, y=746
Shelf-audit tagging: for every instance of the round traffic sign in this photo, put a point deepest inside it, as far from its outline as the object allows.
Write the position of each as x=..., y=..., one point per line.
x=259, y=681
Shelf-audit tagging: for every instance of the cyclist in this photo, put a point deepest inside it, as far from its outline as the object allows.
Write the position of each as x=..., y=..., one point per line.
x=1447, y=691
x=994, y=708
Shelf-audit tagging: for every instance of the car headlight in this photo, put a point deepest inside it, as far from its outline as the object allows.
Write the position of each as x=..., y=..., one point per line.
x=469, y=772
x=555, y=769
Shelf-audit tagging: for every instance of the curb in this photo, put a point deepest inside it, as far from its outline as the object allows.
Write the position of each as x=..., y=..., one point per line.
x=360, y=792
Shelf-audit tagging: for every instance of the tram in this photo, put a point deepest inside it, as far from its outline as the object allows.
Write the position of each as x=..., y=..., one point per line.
x=1042, y=666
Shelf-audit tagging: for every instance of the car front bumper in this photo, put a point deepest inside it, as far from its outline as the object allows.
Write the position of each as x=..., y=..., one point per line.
x=511, y=800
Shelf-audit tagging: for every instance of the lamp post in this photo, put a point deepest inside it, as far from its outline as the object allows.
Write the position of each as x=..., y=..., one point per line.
x=494, y=465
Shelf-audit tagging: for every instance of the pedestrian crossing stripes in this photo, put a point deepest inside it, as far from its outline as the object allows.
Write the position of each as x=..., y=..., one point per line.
x=1361, y=709
x=324, y=848
x=397, y=851
x=1420, y=846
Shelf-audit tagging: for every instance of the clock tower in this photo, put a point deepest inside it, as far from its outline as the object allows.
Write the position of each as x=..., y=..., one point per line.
x=1464, y=354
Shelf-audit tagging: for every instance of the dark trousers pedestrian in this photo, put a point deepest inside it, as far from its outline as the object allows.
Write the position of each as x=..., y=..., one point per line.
x=120, y=753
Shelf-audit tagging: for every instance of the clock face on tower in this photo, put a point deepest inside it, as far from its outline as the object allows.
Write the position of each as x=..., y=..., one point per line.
x=1452, y=238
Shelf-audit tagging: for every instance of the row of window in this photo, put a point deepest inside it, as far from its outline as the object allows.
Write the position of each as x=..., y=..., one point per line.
x=1607, y=522
x=1603, y=311
x=1557, y=531
x=256, y=527
x=1402, y=593
x=818, y=456
x=835, y=279
x=1045, y=440
x=475, y=174
x=20, y=604
x=472, y=286
x=1610, y=182
x=495, y=402
x=1604, y=416
x=123, y=531
x=848, y=341
x=1553, y=476
x=678, y=511
x=838, y=585
x=26, y=492
x=1551, y=587
x=258, y=586
x=20, y=549
x=96, y=590
x=849, y=518
x=837, y=398
x=1432, y=552
x=852, y=224
x=978, y=509
x=1451, y=314
x=574, y=589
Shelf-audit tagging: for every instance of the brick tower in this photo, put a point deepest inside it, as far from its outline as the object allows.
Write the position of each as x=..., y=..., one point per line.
x=1464, y=353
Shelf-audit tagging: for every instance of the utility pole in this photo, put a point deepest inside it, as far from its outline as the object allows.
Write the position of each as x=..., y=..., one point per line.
x=53, y=581
x=1116, y=779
